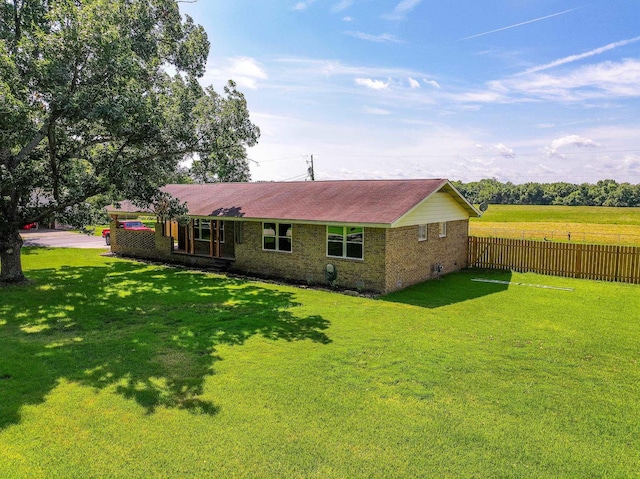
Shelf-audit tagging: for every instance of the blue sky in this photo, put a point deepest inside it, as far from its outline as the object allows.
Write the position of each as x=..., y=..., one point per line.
x=519, y=90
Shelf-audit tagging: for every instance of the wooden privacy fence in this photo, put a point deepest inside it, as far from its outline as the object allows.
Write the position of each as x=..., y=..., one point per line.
x=587, y=261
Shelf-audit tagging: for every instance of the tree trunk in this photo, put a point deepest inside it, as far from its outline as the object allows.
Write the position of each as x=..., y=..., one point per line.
x=10, y=261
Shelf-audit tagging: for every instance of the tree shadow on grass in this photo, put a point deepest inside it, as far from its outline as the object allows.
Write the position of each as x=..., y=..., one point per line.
x=150, y=332
x=452, y=288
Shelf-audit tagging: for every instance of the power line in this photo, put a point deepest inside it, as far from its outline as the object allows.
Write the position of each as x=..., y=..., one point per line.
x=487, y=155
x=282, y=159
x=297, y=177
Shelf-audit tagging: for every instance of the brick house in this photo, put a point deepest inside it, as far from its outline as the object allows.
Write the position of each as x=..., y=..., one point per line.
x=370, y=235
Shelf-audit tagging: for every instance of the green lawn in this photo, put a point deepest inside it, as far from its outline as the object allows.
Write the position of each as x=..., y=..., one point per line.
x=111, y=368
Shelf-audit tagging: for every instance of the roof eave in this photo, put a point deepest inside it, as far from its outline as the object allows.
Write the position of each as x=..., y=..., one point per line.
x=455, y=194
x=267, y=220
x=459, y=197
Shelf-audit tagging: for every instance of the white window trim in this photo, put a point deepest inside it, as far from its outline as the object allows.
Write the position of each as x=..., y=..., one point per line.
x=277, y=250
x=423, y=232
x=197, y=231
x=344, y=242
x=442, y=229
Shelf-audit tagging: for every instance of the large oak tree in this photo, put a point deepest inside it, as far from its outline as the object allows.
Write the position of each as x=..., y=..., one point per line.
x=100, y=100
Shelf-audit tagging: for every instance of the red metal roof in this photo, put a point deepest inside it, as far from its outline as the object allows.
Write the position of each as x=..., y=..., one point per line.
x=360, y=201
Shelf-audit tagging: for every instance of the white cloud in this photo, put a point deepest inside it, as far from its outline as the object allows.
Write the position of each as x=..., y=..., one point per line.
x=573, y=140
x=569, y=141
x=402, y=9
x=382, y=38
x=307, y=67
x=245, y=71
x=504, y=151
x=603, y=81
x=500, y=149
x=376, y=111
x=373, y=84
x=303, y=5
x=630, y=164
x=347, y=19
x=431, y=82
x=331, y=77
x=573, y=58
x=414, y=83
x=342, y=5
x=479, y=97
x=430, y=149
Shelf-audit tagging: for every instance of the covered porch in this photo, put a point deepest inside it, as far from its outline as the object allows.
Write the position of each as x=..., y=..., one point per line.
x=203, y=236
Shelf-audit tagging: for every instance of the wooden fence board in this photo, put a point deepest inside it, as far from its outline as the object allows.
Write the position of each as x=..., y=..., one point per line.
x=588, y=261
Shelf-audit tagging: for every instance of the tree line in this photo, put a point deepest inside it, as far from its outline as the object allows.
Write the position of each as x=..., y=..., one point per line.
x=602, y=193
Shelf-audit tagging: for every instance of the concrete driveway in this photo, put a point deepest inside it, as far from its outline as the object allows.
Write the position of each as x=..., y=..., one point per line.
x=61, y=239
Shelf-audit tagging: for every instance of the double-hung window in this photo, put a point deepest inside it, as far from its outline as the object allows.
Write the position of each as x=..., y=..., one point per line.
x=422, y=232
x=202, y=229
x=277, y=236
x=345, y=242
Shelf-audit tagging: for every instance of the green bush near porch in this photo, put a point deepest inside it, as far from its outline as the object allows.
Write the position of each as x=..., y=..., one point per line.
x=113, y=368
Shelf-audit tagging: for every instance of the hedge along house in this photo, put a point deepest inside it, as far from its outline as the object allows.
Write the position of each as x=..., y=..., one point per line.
x=371, y=235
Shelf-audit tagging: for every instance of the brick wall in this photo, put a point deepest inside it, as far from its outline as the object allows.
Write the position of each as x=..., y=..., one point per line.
x=393, y=258
x=308, y=258
x=409, y=261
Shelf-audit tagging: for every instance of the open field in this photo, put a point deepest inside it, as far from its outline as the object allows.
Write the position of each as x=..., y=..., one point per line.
x=585, y=224
x=112, y=368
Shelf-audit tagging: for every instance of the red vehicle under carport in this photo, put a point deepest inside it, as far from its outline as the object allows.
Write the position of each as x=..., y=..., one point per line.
x=135, y=225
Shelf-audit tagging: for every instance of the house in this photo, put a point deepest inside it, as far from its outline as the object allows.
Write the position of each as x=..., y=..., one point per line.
x=370, y=235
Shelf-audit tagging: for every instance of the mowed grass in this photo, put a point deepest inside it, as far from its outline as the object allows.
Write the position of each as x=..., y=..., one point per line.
x=112, y=368
x=586, y=224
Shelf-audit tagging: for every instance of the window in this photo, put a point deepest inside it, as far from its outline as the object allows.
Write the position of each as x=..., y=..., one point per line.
x=202, y=229
x=422, y=232
x=276, y=236
x=345, y=242
x=221, y=233
x=442, y=230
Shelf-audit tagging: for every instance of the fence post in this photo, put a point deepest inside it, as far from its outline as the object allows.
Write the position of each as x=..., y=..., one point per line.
x=578, y=263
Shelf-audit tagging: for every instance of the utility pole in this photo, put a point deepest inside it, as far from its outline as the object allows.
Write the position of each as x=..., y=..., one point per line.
x=310, y=170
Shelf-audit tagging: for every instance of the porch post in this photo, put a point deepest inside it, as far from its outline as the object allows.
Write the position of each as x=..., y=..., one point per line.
x=217, y=252
x=211, y=238
x=192, y=246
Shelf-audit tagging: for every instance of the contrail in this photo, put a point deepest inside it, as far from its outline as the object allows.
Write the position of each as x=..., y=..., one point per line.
x=580, y=56
x=518, y=24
